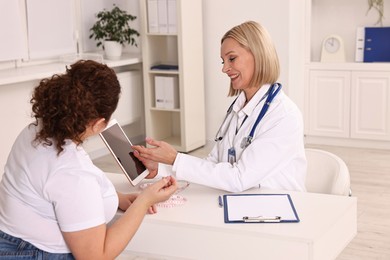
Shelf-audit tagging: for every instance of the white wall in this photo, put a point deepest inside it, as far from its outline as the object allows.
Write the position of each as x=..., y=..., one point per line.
x=218, y=17
x=15, y=114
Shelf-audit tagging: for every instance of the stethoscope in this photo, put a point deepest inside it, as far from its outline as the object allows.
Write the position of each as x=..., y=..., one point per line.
x=272, y=92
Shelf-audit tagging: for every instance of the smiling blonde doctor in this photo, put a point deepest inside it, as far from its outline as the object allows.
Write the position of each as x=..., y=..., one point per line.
x=260, y=142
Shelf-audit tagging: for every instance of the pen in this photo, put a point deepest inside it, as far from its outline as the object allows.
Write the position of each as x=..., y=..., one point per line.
x=220, y=202
x=262, y=219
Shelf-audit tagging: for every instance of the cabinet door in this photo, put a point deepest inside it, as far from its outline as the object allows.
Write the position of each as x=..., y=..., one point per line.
x=329, y=103
x=370, y=110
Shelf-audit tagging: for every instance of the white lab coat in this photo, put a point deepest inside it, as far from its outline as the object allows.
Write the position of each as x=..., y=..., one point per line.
x=275, y=159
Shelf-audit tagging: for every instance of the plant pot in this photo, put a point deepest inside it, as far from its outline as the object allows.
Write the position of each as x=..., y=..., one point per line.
x=113, y=50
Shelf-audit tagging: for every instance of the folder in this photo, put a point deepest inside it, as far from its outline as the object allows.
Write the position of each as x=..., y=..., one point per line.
x=153, y=16
x=359, y=52
x=160, y=91
x=162, y=16
x=166, y=92
x=376, y=47
x=164, y=67
x=172, y=28
x=259, y=208
x=171, y=93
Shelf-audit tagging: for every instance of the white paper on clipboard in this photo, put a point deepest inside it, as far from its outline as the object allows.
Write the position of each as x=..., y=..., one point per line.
x=262, y=206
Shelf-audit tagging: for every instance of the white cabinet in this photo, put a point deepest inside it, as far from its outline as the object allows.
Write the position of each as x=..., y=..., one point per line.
x=370, y=105
x=182, y=127
x=349, y=104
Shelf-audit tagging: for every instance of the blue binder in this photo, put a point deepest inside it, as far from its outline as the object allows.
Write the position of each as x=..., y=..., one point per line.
x=377, y=44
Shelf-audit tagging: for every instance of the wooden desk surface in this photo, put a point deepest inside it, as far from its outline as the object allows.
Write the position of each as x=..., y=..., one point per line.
x=196, y=230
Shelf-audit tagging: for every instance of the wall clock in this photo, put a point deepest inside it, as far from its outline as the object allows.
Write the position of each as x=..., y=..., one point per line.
x=333, y=49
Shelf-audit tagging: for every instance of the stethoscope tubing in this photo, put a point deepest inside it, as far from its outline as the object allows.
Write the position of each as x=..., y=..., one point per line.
x=273, y=91
x=228, y=112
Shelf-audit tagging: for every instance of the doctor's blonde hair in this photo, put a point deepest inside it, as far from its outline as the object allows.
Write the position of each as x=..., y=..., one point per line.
x=255, y=38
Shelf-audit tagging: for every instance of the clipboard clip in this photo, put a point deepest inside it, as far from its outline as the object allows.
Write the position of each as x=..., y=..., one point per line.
x=260, y=219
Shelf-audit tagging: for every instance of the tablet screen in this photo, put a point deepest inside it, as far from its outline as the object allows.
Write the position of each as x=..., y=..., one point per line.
x=120, y=147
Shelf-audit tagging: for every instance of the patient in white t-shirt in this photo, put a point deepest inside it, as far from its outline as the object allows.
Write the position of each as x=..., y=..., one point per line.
x=54, y=202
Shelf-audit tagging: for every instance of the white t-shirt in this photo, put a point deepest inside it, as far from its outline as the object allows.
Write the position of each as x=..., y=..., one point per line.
x=42, y=193
x=275, y=159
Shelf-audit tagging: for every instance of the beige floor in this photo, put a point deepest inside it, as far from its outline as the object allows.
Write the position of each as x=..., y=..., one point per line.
x=370, y=180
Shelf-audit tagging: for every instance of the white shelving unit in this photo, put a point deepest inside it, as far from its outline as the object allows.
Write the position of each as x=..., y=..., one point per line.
x=182, y=127
x=346, y=103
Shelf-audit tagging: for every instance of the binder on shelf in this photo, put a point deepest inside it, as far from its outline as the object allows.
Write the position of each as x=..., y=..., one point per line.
x=159, y=91
x=259, y=208
x=153, y=16
x=373, y=44
x=162, y=16
x=172, y=27
x=166, y=92
x=359, y=53
x=171, y=93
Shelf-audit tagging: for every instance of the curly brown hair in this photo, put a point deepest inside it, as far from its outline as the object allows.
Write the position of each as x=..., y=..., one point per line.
x=65, y=104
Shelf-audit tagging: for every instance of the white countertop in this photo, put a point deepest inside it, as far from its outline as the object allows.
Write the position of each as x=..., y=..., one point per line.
x=38, y=72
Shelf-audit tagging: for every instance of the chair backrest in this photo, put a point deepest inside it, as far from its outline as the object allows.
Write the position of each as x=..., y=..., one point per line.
x=326, y=173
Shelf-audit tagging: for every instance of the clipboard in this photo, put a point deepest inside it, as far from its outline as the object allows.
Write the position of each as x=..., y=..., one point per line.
x=259, y=208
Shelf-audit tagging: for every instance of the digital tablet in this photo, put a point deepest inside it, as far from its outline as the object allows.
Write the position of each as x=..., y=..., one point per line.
x=120, y=147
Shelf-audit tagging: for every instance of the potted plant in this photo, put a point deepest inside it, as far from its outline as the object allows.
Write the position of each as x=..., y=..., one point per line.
x=377, y=5
x=112, y=29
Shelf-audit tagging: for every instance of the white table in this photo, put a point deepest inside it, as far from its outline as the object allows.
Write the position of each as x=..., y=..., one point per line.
x=196, y=230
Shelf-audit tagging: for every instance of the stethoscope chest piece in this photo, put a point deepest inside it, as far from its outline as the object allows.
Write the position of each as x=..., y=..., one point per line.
x=246, y=141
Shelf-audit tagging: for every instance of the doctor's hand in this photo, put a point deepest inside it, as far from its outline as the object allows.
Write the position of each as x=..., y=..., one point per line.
x=151, y=165
x=161, y=152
